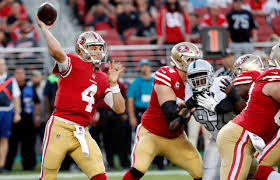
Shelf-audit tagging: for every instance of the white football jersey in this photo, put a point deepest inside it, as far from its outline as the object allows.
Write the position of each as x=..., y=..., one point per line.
x=212, y=121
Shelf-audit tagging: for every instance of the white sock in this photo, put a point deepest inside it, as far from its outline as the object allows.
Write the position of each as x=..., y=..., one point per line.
x=273, y=176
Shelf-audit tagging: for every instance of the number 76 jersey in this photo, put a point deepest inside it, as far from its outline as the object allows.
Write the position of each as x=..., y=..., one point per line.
x=79, y=89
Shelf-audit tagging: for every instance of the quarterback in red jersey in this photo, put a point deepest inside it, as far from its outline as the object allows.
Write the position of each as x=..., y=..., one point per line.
x=252, y=128
x=154, y=136
x=81, y=84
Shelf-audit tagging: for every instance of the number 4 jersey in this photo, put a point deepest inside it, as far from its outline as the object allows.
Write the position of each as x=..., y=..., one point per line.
x=79, y=88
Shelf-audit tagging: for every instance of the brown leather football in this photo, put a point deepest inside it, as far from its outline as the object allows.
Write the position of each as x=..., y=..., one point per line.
x=47, y=13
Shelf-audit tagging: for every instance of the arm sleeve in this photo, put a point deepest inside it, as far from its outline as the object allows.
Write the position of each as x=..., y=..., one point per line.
x=108, y=99
x=65, y=68
x=16, y=90
x=224, y=106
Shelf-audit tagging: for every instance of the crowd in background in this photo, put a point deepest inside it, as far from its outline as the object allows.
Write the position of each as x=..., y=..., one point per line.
x=127, y=22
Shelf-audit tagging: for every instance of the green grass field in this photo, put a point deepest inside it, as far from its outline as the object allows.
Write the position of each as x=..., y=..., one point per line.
x=173, y=173
x=151, y=175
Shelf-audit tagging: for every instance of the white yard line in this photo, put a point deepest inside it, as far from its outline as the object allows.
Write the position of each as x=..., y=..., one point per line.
x=82, y=175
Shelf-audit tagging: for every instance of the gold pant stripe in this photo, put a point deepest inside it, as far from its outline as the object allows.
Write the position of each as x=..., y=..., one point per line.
x=136, y=140
x=270, y=146
x=238, y=155
x=46, y=142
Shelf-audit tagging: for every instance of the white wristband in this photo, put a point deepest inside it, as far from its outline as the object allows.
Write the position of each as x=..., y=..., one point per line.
x=115, y=89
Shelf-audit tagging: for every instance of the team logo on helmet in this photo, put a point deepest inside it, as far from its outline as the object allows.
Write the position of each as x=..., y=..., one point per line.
x=242, y=60
x=81, y=40
x=182, y=48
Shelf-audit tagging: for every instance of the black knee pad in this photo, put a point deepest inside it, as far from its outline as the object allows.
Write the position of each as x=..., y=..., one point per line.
x=135, y=173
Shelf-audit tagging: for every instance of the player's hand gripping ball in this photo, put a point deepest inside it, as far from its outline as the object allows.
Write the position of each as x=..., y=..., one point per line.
x=47, y=13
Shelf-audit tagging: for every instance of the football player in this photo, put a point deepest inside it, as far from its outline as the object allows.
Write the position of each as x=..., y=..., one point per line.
x=200, y=75
x=81, y=84
x=153, y=136
x=270, y=155
x=247, y=68
x=249, y=131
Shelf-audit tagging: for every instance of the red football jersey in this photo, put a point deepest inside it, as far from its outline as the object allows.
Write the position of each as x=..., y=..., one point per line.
x=79, y=88
x=258, y=116
x=247, y=77
x=154, y=119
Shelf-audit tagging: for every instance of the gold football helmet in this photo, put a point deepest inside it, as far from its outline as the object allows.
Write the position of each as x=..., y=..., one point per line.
x=247, y=62
x=87, y=39
x=274, y=60
x=182, y=54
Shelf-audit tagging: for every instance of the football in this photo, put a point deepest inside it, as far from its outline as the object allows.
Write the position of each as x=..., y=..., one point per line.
x=47, y=13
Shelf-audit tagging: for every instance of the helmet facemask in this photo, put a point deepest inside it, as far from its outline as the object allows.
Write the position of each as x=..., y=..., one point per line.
x=200, y=75
x=200, y=81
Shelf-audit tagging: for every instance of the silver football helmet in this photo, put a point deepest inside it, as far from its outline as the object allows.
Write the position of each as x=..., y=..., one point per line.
x=200, y=75
x=87, y=39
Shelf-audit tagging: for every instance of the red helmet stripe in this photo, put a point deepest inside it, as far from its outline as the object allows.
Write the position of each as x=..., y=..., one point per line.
x=94, y=35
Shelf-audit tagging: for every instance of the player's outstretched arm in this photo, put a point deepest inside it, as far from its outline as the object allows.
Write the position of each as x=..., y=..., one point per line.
x=54, y=46
x=114, y=72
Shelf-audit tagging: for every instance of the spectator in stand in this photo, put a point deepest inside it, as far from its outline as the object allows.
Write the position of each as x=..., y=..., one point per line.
x=198, y=3
x=128, y=18
x=9, y=109
x=24, y=41
x=146, y=6
x=241, y=24
x=146, y=30
x=256, y=7
x=214, y=18
x=195, y=31
x=24, y=24
x=38, y=84
x=272, y=8
x=115, y=131
x=24, y=131
x=98, y=14
x=173, y=24
x=220, y=3
x=139, y=93
x=17, y=12
x=110, y=9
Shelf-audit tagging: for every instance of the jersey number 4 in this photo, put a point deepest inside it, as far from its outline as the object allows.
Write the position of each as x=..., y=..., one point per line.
x=88, y=96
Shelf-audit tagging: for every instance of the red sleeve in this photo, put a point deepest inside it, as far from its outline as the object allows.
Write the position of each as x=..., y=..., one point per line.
x=187, y=23
x=162, y=76
x=159, y=23
x=246, y=77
